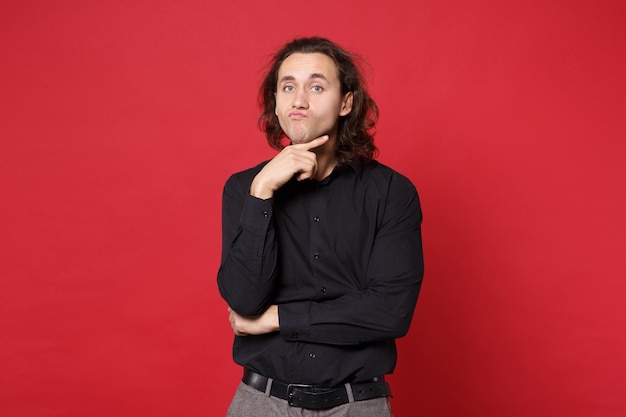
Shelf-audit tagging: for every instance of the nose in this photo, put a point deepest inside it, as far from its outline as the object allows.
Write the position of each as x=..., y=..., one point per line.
x=300, y=99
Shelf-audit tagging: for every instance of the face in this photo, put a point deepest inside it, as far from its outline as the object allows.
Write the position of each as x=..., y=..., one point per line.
x=308, y=97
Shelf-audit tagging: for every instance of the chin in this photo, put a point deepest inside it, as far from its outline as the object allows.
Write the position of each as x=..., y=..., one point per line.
x=300, y=139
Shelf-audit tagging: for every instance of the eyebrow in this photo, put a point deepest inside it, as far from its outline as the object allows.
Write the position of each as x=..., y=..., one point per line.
x=315, y=75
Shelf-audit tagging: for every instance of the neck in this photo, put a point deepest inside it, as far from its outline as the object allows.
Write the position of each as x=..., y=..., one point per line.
x=325, y=166
x=326, y=159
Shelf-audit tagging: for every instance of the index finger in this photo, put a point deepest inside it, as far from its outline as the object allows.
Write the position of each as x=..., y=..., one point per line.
x=314, y=143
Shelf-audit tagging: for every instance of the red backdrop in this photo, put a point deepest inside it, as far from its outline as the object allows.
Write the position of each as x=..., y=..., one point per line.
x=121, y=120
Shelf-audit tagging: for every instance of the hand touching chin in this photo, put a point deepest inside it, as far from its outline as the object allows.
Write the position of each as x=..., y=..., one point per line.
x=299, y=136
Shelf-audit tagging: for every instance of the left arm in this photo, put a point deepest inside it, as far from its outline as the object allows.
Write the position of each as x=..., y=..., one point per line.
x=384, y=308
x=264, y=323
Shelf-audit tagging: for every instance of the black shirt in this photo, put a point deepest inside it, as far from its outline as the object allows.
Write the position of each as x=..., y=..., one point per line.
x=343, y=260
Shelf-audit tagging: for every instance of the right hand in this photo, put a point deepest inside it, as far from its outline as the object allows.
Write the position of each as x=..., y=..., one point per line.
x=298, y=160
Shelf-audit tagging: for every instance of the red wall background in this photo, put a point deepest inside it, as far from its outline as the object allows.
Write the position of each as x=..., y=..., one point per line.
x=121, y=120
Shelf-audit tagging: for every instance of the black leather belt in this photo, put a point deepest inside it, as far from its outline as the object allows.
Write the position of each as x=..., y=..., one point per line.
x=311, y=397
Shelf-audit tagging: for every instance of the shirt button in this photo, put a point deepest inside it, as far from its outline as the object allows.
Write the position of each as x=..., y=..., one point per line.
x=312, y=355
x=294, y=335
x=266, y=213
x=316, y=219
x=323, y=289
x=316, y=255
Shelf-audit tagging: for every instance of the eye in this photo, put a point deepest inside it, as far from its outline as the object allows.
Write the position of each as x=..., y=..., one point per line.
x=288, y=88
x=317, y=88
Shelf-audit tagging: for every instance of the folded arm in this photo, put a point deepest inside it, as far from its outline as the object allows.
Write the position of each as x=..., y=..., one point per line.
x=384, y=308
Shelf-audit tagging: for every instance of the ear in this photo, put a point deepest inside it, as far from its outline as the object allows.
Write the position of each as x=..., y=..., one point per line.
x=346, y=104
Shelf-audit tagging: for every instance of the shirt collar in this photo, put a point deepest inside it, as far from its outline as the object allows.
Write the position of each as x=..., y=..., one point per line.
x=357, y=168
x=339, y=169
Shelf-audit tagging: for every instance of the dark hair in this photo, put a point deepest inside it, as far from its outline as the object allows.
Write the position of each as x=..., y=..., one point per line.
x=355, y=137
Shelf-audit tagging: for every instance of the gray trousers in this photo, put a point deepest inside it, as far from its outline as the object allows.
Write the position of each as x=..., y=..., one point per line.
x=249, y=402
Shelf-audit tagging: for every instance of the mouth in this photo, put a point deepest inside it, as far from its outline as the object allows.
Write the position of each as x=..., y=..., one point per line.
x=297, y=115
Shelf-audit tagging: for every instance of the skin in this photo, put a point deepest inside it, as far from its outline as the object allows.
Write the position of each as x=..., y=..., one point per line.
x=308, y=106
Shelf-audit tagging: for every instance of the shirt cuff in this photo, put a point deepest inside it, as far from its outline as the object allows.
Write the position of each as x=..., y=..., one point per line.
x=257, y=213
x=294, y=319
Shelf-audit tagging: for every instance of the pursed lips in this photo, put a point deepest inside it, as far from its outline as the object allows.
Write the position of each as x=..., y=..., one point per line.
x=297, y=115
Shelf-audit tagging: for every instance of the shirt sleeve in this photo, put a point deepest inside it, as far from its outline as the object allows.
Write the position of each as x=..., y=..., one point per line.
x=248, y=265
x=384, y=309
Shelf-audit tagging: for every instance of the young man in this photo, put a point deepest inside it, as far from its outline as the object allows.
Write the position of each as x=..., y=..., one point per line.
x=322, y=254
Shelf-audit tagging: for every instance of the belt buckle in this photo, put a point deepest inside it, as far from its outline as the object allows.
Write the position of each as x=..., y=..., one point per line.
x=290, y=388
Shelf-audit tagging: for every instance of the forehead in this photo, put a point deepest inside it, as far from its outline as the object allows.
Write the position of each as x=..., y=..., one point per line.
x=304, y=65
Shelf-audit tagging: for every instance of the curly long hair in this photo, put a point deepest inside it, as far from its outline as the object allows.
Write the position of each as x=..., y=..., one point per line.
x=355, y=138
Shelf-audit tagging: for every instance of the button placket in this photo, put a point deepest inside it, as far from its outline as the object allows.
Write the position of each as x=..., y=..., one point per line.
x=316, y=255
x=317, y=205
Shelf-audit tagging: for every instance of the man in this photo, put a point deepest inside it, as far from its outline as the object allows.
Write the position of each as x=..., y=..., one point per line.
x=322, y=255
